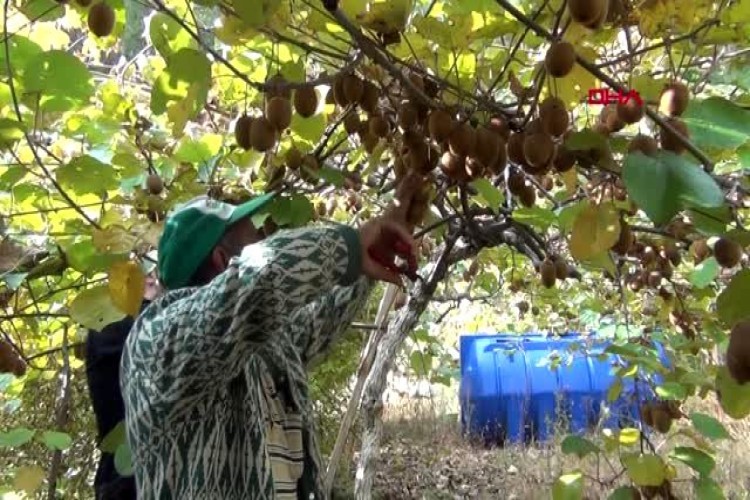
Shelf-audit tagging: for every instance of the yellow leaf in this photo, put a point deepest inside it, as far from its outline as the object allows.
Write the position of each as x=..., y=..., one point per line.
x=629, y=436
x=126, y=285
x=114, y=239
x=28, y=478
x=570, y=178
x=595, y=230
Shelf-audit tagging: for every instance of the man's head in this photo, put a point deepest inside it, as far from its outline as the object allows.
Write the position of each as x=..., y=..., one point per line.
x=201, y=236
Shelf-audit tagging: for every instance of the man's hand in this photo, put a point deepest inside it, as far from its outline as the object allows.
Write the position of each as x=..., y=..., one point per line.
x=408, y=190
x=382, y=240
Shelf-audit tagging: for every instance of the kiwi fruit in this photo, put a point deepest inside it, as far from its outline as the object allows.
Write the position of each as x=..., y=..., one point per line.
x=727, y=252
x=516, y=183
x=370, y=97
x=487, y=146
x=353, y=88
x=277, y=87
x=262, y=134
x=674, y=99
x=700, y=250
x=293, y=158
x=515, y=147
x=564, y=160
x=662, y=419
x=527, y=196
x=548, y=272
x=647, y=415
x=369, y=141
x=502, y=158
x=653, y=279
x=738, y=352
x=598, y=22
x=242, y=131
x=586, y=11
x=338, y=92
x=279, y=112
x=309, y=168
x=554, y=116
x=630, y=111
x=101, y=19
x=672, y=254
x=669, y=140
x=538, y=149
x=560, y=59
x=625, y=240
x=352, y=123
x=523, y=307
x=379, y=126
x=154, y=184
x=561, y=268
x=306, y=101
x=644, y=144
x=454, y=166
x=408, y=115
x=610, y=120
x=499, y=125
x=439, y=125
x=462, y=140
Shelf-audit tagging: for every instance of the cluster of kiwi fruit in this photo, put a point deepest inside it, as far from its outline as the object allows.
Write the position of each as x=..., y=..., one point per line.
x=10, y=361
x=552, y=269
x=659, y=415
x=655, y=261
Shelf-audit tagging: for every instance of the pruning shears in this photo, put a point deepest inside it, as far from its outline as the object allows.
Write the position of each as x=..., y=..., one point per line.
x=402, y=250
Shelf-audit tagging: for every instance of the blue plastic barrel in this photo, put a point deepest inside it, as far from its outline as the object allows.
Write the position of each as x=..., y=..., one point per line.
x=509, y=392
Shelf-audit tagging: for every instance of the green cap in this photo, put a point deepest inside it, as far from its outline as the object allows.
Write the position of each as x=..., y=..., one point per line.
x=193, y=229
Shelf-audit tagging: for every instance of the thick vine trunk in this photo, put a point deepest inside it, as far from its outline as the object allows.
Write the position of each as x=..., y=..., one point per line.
x=62, y=414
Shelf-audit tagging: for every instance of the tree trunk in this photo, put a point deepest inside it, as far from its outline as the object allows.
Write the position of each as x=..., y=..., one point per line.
x=61, y=418
x=372, y=404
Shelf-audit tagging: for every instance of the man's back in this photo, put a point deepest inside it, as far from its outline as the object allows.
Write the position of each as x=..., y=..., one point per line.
x=214, y=377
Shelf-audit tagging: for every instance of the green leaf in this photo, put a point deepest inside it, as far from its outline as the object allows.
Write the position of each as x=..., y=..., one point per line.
x=645, y=470
x=28, y=478
x=666, y=183
x=577, y=445
x=11, y=131
x=60, y=78
x=42, y=10
x=624, y=493
x=739, y=236
x=87, y=175
x=418, y=362
x=535, y=216
x=16, y=437
x=717, y=123
x=707, y=489
x=568, y=487
x=93, y=308
x=734, y=398
x=253, y=14
x=614, y=391
x=308, y=129
x=704, y=274
x=731, y=304
x=711, y=221
x=124, y=460
x=114, y=438
x=584, y=140
x=186, y=69
x=709, y=426
x=671, y=390
x=57, y=440
x=629, y=436
x=21, y=51
x=489, y=195
x=301, y=210
x=332, y=176
x=694, y=458
x=198, y=150
x=167, y=36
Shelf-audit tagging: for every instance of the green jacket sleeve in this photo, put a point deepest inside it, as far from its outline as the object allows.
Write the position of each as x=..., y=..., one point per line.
x=191, y=340
x=318, y=325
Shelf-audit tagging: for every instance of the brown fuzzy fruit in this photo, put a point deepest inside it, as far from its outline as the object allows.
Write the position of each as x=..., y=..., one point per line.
x=554, y=116
x=408, y=115
x=727, y=252
x=154, y=184
x=499, y=125
x=262, y=134
x=242, y=131
x=674, y=99
x=353, y=88
x=548, y=273
x=586, y=11
x=700, y=250
x=564, y=160
x=306, y=101
x=644, y=144
x=370, y=97
x=662, y=419
x=379, y=126
x=277, y=87
x=527, y=196
x=538, y=149
x=610, y=120
x=515, y=148
x=101, y=19
x=279, y=112
x=625, y=240
x=487, y=146
x=561, y=268
x=463, y=140
x=653, y=279
x=440, y=125
x=293, y=158
x=560, y=59
x=669, y=141
x=338, y=92
x=738, y=352
x=647, y=415
x=516, y=183
x=630, y=111
x=502, y=158
x=352, y=123
x=454, y=166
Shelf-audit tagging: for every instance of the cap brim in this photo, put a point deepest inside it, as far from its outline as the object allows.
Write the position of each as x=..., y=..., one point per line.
x=250, y=208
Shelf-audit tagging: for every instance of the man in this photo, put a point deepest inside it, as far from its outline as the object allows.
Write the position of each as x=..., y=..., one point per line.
x=103, y=354
x=214, y=371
